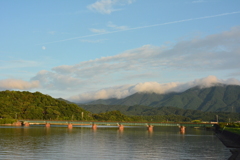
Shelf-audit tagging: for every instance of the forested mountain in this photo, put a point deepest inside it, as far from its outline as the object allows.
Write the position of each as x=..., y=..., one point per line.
x=217, y=98
x=27, y=105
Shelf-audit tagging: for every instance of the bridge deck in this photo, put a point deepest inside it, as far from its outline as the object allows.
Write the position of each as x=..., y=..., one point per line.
x=117, y=123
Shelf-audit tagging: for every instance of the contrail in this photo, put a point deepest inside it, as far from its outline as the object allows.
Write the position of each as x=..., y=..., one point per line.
x=141, y=27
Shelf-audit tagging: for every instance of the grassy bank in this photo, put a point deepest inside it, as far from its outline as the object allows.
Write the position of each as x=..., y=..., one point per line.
x=231, y=127
x=233, y=130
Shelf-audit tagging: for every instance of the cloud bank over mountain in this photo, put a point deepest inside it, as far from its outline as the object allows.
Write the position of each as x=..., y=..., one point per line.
x=150, y=87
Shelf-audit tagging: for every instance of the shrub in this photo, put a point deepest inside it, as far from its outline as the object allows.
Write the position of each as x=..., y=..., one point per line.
x=196, y=121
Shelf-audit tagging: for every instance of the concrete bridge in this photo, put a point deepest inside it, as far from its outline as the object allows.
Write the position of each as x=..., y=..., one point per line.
x=94, y=124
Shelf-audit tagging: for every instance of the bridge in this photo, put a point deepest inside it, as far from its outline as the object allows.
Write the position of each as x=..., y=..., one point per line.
x=94, y=124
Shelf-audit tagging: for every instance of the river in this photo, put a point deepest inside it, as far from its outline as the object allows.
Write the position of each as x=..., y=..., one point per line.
x=108, y=143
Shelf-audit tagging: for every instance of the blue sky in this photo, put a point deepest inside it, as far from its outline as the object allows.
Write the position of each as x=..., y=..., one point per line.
x=86, y=50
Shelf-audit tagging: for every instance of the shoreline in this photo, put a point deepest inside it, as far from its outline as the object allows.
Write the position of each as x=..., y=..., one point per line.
x=8, y=125
x=231, y=141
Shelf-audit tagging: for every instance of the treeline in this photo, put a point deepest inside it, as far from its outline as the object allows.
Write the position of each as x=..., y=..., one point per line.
x=164, y=113
x=118, y=116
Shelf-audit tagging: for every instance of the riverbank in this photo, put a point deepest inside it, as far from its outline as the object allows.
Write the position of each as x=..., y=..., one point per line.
x=230, y=140
x=9, y=124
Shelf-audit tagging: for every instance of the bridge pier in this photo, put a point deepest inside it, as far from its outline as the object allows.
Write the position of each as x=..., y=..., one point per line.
x=120, y=127
x=94, y=126
x=47, y=125
x=18, y=123
x=70, y=126
x=150, y=128
x=26, y=124
x=182, y=129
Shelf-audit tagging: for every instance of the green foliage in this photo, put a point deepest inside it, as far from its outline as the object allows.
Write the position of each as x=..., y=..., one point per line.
x=222, y=124
x=234, y=130
x=118, y=116
x=231, y=127
x=196, y=121
x=7, y=121
x=166, y=118
x=27, y=105
x=111, y=116
x=234, y=125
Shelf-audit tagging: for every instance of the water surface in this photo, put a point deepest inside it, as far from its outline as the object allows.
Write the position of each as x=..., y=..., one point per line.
x=59, y=142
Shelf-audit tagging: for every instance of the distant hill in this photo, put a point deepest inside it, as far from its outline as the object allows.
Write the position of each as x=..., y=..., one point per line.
x=27, y=105
x=224, y=98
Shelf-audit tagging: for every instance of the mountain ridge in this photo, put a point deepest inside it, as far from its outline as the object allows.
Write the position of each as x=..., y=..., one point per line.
x=216, y=98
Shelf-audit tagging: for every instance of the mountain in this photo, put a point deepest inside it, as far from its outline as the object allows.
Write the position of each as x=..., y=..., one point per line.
x=217, y=98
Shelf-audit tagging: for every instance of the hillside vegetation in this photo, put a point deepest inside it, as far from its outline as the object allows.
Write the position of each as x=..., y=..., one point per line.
x=220, y=98
x=27, y=105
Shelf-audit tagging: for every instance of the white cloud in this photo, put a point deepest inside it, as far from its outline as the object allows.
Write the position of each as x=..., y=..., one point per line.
x=97, y=30
x=214, y=52
x=53, y=81
x=108, y=6
x=150, y=87
x=129, y=60
x=43, y=47
x=111, y=25
x=9, y=84
x=114, y=92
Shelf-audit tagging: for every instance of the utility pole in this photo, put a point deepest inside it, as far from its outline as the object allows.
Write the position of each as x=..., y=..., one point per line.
x=217, y=118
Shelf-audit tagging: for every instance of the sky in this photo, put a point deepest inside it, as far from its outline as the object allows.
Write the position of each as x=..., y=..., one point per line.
x=99, y=49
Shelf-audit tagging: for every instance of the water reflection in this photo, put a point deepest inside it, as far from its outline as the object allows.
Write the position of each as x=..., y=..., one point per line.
x=59, y=142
